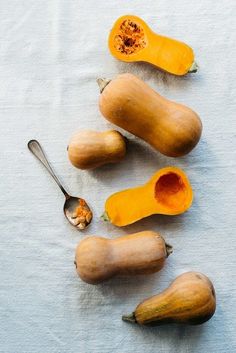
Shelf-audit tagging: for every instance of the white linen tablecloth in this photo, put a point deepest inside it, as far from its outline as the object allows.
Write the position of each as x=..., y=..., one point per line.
x=51, y=54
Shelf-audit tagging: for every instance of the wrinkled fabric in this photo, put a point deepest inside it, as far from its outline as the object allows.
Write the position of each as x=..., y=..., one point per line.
x=51, y=54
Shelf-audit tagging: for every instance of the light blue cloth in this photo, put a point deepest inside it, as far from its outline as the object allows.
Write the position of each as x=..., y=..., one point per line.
x=51, y=53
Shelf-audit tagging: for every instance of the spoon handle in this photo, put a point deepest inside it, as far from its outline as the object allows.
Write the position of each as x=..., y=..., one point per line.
x=35, y=147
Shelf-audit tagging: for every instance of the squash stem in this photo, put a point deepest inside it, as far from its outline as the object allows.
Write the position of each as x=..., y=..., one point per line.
x=105, y=217
x=102, y=83
x=129, y=318
x=169, y=249
x=194, y=67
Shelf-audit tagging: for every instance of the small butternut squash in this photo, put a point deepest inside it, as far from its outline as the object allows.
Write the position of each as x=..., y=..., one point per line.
x=97, y=259
x=90, y=149
x=132, y=40
x=190, y=299
x=168, y=192
x=169, y=127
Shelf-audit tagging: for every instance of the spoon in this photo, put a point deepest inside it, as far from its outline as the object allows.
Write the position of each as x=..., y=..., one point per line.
x=75, y=209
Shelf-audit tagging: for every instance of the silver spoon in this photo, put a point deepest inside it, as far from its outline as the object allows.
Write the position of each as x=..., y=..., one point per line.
x=75, y=209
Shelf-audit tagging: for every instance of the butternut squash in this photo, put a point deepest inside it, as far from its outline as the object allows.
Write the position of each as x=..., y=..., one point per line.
x=97, y=259
x=168, y=192
x=91, y=149
x=132, y=40
x=169, y=127
x=190, y=299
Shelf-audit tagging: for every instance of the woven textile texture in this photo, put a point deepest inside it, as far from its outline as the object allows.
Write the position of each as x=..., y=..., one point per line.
x=51, y=53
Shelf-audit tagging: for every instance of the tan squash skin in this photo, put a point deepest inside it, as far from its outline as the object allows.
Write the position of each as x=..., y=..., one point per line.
x=190, y=299
x=169, y=127
x=91, y=149
x=98, y=259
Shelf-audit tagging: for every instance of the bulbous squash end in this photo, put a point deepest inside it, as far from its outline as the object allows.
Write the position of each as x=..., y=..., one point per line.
x=128, y=38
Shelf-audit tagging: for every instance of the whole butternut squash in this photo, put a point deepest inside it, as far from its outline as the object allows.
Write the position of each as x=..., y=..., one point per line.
x=90, y=149
x=97, y=259
x=132, y=40
x=190, y=299
x=169, y=127
x=168, y=192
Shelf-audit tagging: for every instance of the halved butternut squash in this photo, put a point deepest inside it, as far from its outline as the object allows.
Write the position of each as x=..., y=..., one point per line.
x=168, y=192
x=132, y=40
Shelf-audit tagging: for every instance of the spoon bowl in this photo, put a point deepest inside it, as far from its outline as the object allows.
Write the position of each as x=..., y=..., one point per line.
x=76, y=209
x=77, y=212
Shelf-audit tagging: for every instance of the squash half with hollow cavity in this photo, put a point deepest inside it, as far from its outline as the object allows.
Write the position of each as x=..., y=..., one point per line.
x=132, y=40
x=168, y=192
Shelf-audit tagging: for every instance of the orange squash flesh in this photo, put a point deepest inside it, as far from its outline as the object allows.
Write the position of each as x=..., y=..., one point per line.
x=168, y=192
x=132, y=40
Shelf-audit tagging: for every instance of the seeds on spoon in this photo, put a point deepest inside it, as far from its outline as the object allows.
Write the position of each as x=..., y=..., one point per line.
x=81, y=219
x=76, y=221
x=81, y=225
x=82, y=215
x=74, y=215
x=89, y=217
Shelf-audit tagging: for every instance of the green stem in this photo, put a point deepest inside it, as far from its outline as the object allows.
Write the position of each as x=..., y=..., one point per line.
x=169, y=249
x=194, y=67
x=129, y=318
x=105, y=217
x=102, y=83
